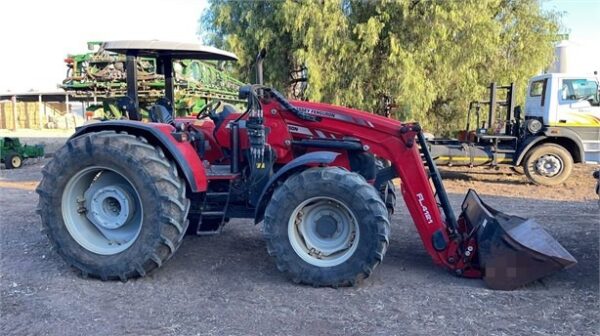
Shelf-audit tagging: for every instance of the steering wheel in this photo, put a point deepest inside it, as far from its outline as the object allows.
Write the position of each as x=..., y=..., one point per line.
x=209, y=110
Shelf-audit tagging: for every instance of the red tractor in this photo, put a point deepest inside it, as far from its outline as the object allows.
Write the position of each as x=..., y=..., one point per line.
x=118, y=198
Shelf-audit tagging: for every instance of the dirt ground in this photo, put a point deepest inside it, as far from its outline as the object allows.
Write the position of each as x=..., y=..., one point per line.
x=227, y=284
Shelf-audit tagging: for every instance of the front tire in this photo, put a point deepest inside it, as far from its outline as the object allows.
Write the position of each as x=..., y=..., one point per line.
x=548, y=164
x=326, y=227
x=113, y=205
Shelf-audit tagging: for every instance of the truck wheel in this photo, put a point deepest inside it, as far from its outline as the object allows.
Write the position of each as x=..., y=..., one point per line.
x=113, y=205
x=326, y=227
x=13, y=160
x=548, y=164
x=519, y=170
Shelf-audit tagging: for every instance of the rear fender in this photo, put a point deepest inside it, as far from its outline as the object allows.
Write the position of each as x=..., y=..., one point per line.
x=298, y=164
x=183, y=153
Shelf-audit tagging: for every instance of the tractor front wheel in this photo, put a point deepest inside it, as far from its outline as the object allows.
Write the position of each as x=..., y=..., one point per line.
x=326, y=227
x=113, y=205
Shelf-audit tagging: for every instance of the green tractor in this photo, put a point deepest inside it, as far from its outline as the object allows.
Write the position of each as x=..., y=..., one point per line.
x=12, y=153
x=102, y=74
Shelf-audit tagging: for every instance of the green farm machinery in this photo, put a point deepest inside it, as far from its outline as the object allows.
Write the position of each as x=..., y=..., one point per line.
x=12, y=152
x=101, y=75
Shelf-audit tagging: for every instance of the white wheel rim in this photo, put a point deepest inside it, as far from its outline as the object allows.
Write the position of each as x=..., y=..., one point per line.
x=102, y=210
x=549, y=165
x=16, y=161
x=323, y=231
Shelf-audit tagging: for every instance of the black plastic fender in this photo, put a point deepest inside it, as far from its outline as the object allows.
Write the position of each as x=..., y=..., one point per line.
x=186, y=159
x=300, y=163
x=525, y=146
x=549, y=135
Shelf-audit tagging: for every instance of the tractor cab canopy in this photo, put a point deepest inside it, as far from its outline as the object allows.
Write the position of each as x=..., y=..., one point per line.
x=174, y=50
x=164, y=52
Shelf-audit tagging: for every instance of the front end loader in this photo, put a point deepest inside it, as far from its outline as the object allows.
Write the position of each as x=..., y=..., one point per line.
x=119, y=197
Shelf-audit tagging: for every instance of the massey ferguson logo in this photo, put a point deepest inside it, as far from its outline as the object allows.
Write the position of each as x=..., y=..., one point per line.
x=318, y=113
x=424, y=208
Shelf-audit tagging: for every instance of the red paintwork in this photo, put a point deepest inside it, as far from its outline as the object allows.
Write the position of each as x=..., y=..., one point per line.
x=383, y=138
x=213, y=151
x=277, y=136
x=189, y=153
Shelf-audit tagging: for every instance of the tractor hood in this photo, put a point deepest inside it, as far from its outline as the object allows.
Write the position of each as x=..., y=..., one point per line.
x=349, y=115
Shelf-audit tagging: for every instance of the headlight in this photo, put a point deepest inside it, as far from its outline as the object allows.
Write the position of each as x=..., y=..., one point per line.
x=534, y=126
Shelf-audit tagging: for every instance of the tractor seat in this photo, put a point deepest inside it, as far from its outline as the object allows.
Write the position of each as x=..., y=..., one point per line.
x=226, y=110
x=162, y=111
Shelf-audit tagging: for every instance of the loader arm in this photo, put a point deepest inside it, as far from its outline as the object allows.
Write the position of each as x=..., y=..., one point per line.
x=449, y=244
x=437, y=233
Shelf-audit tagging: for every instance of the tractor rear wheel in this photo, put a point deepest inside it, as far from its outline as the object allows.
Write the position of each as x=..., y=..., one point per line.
x=113, y=205
x=13, y=160
x=326, y=227
x=548, y=164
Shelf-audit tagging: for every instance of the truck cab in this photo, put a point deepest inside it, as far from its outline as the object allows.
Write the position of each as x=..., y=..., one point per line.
x=566, y=105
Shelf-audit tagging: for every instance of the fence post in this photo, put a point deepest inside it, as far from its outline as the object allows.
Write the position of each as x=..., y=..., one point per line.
x=3, y=115
x=26, y=111
x=40, y=108
x=14, y=112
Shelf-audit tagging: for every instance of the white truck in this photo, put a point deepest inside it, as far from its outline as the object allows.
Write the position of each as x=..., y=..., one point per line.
x=560, y=126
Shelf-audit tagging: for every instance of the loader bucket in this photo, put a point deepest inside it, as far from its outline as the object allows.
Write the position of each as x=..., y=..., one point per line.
x=513, y=251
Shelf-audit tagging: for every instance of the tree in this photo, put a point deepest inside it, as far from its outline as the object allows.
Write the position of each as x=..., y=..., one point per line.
x=431, y=57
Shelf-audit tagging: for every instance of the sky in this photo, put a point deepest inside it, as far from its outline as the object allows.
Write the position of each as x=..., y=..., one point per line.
x=580, y=17
x=38, y=34
x=581, y=21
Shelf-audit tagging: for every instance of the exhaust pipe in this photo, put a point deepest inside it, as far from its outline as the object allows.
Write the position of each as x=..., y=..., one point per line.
x=512, y=251
x=259, y=66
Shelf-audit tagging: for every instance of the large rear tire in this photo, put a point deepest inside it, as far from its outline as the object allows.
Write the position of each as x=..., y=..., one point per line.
x=113, y=205
x=548, y=164
x=326, y=227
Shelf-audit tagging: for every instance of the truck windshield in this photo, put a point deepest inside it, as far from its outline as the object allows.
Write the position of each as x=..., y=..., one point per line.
x=580, y=89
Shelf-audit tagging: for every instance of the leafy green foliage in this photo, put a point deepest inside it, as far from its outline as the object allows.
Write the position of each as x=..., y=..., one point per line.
x=431, y=57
